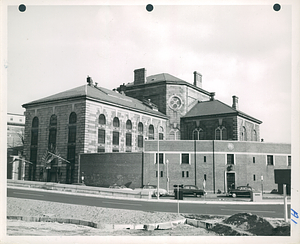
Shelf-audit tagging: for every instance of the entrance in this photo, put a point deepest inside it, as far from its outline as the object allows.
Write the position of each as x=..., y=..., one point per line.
x=230, y=181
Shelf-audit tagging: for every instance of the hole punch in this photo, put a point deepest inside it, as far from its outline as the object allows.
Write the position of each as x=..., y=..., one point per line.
x=149, y=7
x=276, y=7
x=22, y=8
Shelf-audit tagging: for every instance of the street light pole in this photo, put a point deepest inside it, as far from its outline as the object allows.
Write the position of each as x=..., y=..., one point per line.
x=158, y=162
x=168, y=176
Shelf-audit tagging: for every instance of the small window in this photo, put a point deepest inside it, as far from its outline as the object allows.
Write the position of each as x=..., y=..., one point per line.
x=102, y=120
x=101, y=149
x=156, y=174
x=204, y=159
x=254, y=178
x=161, y=158
x=182, y=173
x=115, y=150
x=204, y=176
x=254, y=160
x=161, y=174
x=101, y=136
x=187, y=173
x=289, y=160
x=161, y=136
x=185, y=158
x=270, y=160
x=140, y=141
x=230, y=159
x=115, y=138
x=218, y=134
x=116, y=122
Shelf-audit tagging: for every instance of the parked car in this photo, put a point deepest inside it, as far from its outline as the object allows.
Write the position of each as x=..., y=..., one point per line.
x=153, y=190
x=191, y=190
x=241, y=191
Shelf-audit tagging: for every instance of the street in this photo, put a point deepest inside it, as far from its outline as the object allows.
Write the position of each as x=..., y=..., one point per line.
x=263, y=209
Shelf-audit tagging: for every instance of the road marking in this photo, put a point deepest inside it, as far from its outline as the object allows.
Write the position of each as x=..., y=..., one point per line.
x=27, y=194
x=134, y=204
x=245, y=210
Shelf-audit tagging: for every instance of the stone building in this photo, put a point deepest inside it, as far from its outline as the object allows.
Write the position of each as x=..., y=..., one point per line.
x=192, y=111
x=86, y=119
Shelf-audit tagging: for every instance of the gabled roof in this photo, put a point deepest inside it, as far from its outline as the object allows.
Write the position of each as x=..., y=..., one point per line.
x=169, y=79
x=216, y=108
x=99, y=94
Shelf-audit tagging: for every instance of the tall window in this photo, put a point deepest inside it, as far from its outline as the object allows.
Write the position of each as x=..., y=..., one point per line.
x=140, y=136
x=161, y=133
x=151, y=132
x=116, y=122
x=230, y=158
x=33, y=148
x=270, y=160
x=102, y=119
x=185, y=158
x=128, y=134
x=195, y=134
x=115, y=138
x=289, y=160
x=221, y=133
x=128, y=139
x=52, y=133
x=254, y=135
x=244, y=134
x=101, y=136
x=161, y=158
x=71, y=148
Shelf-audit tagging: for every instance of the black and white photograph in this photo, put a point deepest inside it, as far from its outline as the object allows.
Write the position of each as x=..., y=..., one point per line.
x=150, y=121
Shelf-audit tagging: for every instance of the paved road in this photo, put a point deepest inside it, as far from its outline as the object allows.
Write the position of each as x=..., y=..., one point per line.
x=274, y=210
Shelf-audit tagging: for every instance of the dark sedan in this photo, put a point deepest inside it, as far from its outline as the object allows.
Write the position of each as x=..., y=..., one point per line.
x=191, y=190
x=241, y=191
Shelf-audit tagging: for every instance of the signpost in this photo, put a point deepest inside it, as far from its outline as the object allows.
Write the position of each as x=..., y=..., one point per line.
x=178, y=196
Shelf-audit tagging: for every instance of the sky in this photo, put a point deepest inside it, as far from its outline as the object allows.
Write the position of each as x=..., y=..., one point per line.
x=242, y=50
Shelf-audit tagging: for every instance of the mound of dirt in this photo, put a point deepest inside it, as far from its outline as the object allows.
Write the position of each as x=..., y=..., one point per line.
x=256, y=225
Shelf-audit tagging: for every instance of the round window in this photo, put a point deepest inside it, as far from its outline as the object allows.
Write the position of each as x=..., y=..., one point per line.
x=175, y=102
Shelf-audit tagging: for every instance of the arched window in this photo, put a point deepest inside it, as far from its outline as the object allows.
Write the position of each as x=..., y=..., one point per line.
x=195, y=134
x=201, y=135
x=218, y=134
x=224, y=134
x=33, y=149
x=52, y=133
x=151, y=132
x=128, y=125
x=116, y=122
x=244, y=134
x=102, y=120
x=35, y=122
x=161, y=133
x=140, y=127
x=73, y=118
x=254, y=135
x=53, y=120
x=71, y=153
x=173, y=134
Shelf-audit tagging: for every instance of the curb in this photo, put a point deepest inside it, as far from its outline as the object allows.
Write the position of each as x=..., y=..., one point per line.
x=155, y=226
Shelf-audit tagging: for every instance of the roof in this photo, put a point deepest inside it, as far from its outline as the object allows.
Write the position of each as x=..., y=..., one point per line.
x=165, y=77
x=100, y=94
x=216, y=108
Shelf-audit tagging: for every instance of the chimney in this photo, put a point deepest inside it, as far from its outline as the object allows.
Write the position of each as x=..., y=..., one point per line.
x=140, y=76
x=212, y=96
x=89, y=81
x=197, y=79
x=122, y=89
x=235, y=102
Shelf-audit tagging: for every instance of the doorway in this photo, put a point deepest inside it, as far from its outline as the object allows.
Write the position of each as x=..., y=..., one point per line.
x=230, y=180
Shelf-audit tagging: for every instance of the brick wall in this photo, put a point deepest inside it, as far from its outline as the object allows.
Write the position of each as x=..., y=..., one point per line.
x=105, y=169
x=215, y=153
